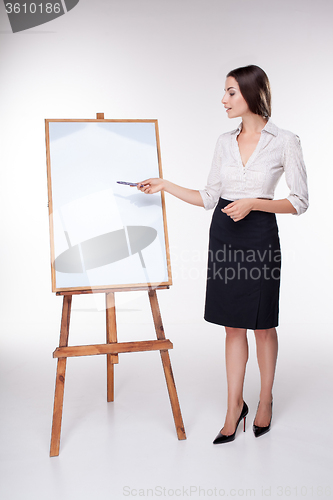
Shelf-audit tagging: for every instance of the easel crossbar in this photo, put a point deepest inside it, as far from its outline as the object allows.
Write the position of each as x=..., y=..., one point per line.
x=115, y=348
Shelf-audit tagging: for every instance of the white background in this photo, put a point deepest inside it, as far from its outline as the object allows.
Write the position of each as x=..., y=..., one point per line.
x=164, y=59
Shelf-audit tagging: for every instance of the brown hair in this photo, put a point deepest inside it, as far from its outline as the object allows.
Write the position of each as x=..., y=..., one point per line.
x=255, y=88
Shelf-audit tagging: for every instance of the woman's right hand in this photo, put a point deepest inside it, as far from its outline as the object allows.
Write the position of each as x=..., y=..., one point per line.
x=150, y=186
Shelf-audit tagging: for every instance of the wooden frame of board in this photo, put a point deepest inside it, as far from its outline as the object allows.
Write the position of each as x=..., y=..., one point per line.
x=51, y=173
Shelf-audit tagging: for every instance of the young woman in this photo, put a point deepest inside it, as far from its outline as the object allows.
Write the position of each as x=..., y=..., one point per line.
x=243, y=278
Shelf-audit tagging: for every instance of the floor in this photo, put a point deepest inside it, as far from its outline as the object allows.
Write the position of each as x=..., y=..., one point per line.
x=129, y=448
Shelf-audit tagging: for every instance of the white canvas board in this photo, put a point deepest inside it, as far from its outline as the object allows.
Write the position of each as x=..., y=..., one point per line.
x=105, y=234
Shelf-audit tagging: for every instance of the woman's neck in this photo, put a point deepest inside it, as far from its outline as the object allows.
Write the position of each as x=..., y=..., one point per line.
x=253, y=124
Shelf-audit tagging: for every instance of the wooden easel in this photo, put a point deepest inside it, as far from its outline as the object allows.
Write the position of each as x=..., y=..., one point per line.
x=112, y=348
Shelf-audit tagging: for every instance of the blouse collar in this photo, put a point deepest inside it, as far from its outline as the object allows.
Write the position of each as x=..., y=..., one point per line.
x=270, y=127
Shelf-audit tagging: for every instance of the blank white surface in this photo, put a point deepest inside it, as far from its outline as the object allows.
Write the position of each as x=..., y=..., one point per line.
x=86, y=160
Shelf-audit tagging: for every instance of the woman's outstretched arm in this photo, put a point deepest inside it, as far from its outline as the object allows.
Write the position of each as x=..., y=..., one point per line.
x=154, y=185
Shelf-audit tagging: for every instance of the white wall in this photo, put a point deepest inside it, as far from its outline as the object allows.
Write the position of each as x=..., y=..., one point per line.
x=166, y=59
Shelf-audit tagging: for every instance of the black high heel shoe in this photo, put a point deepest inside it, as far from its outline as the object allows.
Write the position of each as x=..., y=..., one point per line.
x=222, y=438
x=259, y=431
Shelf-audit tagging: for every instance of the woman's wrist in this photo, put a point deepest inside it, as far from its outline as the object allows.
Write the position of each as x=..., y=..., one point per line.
x=166, y=185
x=255, y=204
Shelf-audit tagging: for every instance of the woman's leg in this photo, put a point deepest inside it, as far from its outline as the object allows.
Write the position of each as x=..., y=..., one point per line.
x=267, y=349
x=236, y=355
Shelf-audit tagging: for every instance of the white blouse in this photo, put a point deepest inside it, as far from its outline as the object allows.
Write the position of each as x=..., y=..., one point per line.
x=277, y=151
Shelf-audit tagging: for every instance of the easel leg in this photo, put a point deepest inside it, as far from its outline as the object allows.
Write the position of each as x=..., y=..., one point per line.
x=167, y=366
x=111, y=336
x=60, y=378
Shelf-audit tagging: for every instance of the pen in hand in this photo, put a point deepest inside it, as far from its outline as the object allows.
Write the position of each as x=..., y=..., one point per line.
x=129, y=183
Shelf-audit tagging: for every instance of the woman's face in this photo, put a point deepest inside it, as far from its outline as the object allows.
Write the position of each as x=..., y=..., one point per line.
x=233, y=101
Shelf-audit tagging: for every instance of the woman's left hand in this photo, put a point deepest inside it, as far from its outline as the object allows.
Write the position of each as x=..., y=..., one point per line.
x=239, y=209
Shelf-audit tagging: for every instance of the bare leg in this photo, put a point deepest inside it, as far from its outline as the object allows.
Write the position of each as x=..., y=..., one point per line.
x=236, y=355
x=267, y=349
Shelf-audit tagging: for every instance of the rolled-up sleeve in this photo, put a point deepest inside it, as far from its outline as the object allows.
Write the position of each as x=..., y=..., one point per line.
x=211, y=193
x=295, y=173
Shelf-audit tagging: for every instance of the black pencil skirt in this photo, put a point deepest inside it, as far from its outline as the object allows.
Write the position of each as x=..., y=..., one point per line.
x=244, y=264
